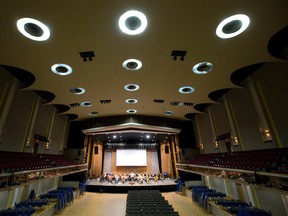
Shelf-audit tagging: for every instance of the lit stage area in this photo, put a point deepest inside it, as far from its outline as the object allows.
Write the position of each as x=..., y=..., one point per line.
x=166, y=185
x=118, y=168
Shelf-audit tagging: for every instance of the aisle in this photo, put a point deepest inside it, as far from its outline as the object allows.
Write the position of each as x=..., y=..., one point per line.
x=97, y=204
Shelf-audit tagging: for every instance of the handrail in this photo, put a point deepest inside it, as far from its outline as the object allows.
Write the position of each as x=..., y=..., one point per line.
x=270, y=174
x=42, y=170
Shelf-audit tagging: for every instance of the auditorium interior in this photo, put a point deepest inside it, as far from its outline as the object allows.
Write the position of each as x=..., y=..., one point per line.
x=144, y=108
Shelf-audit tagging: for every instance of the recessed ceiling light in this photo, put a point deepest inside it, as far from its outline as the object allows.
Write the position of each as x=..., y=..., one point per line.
x=202, y=68
x=131, y=111
x=176, y=103
x=186, y=89
x=93, y=113
x=86, y=104
x=77, y=90
x=61, y=69
x=131, y=87
x=33, y=29
x=132, y=64
x=131, y=101
x=232, y=26
x=168, y=112
x=133, y=22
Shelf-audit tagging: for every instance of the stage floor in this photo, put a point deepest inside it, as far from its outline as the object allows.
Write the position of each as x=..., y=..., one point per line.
x=166, y=185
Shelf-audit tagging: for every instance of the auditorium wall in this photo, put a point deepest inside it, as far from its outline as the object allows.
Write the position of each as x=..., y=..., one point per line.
x=14, y=131
x=271, y=82
x=23, y=114
x=97, y=160
x=246, y=112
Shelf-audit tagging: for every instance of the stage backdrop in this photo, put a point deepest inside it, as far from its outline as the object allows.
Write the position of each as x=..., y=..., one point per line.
x=109, y=165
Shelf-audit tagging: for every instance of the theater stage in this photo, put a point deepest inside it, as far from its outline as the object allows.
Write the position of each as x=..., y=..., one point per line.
x=166, y=185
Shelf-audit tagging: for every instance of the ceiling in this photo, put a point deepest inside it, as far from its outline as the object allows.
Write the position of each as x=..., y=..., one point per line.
x=188, y=25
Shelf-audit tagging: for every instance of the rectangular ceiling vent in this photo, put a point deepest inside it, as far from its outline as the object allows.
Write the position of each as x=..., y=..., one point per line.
x=74, y=105
x=158, y=101
x=188, y=104
x=105, y=101
x=87, y=56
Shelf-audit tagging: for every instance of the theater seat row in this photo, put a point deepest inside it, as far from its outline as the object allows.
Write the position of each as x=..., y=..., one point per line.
x=267, y=160
x=20, y=161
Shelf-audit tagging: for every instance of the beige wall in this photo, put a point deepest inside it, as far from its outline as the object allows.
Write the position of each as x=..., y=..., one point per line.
x=165, y=159
x=97, y=160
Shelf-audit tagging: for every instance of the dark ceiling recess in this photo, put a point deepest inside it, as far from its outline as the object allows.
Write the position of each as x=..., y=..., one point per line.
x=105, y=101
x=72, y=116
x=76, y=137
x=201, y=107
x=61, y=108
x=278, y=44
x=190, y=116
x=178, y=53
x=187, y=136
x=158, y=101
x=33, y=29
x=238, y=76
x=217, y=94
x=45, y=95
x=88, y=55
x=188, y=104
x=25, y=77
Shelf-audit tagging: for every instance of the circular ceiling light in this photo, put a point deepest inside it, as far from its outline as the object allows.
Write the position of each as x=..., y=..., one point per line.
x=168, y=112
x=33, y=29
x=77, y=90
x=93, y=113
x=202, y=68
x=61, y=69
x=131, y=87
x=232, y=26
x=86, y=104
x=186, y=89
x=131, y=101
x=132, y=64
x=176, y=103
x=131, y=111
x=133, y=22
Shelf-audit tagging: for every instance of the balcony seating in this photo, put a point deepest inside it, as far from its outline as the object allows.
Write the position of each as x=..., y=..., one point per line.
x=20, y=161
x=267, y=160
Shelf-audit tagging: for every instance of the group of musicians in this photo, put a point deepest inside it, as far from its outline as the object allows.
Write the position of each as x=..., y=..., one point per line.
x=131, y=178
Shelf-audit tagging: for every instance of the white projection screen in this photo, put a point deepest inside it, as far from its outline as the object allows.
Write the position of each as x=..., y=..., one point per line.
x=131, y=157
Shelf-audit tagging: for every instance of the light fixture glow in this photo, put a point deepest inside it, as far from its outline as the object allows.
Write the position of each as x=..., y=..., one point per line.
x=131, y=101
x=133, y=22
x=131, y=87
x=186, y=90
x=241, y=21
x=131, y=111
x=168, y=112
x=86, y=104
x=132, y=64
x=33, y=29
x=61, y=69
x=77, y=90
x=202, y=68
x=93, y=113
